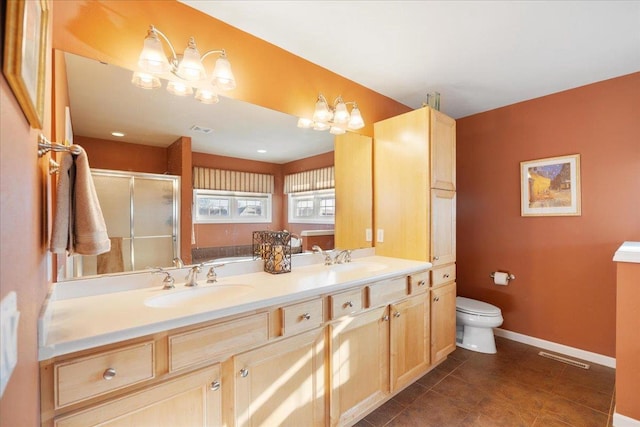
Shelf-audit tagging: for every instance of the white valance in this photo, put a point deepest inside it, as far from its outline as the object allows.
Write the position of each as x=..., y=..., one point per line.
x=317, y=179
x=225, y=180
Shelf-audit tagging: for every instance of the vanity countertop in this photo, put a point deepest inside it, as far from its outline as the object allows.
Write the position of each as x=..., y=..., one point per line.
x=74, y=321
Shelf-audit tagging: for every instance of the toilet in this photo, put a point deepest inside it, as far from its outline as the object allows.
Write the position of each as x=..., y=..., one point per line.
x=475, y=321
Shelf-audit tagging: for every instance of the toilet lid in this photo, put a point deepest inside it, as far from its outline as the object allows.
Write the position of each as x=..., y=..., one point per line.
x=472, y=306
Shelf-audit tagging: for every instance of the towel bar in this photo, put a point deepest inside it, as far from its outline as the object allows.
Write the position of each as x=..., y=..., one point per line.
x=44, y=146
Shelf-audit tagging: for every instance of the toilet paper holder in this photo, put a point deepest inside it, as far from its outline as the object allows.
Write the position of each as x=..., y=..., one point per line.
x=510, y=276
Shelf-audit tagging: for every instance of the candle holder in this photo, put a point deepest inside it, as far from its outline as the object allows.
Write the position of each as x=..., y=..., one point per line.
x=274, y=248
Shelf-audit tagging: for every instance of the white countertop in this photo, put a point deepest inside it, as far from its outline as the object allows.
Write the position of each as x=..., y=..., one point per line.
x=628, y=252
x=75, y=319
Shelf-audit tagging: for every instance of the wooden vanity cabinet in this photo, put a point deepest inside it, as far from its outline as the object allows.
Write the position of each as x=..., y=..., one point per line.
x=409, y=340
x=189, y=400
x=359, y=364
x=280, y=384
x=325, y=360
x=443, y=321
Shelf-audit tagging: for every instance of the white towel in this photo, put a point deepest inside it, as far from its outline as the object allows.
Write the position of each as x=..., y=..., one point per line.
x=78, y=224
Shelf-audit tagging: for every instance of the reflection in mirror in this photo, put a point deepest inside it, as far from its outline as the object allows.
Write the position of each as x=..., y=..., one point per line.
x=231, y=135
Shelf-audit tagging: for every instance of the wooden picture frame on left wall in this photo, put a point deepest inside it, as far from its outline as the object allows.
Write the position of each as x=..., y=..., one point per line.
x=25, y=42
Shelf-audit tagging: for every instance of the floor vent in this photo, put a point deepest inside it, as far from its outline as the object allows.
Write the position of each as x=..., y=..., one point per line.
x=564, y=360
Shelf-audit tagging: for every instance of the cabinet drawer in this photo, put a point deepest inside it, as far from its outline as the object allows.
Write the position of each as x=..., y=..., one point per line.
x=91, y=376
x=386, y=292
x=302, y=316
x=419, y=282
x=207, y=344
x=443, y=274
x=344, y=303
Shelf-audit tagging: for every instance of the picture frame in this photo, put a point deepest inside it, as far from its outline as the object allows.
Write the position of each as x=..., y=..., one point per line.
x=551, y=186
x=25, y=55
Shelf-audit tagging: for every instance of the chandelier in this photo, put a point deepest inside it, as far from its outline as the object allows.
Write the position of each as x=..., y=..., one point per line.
x=336, y=118
x=185, y=72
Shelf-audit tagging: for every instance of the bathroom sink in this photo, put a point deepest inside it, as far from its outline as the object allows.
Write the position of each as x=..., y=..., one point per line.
x=198, y=296
x=357, y=266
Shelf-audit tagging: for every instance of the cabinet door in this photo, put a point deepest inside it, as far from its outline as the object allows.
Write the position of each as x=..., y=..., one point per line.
x=443, y=321
x=401, y=185
x=443, y=227
x=190, y=400
x=443, y=151
x=410, y=346
x=359, y=364
x=282, y=384
x=353, y=157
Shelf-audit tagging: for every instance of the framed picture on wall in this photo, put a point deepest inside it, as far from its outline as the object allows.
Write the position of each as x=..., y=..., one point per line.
x=25, y=55
x=551, y=187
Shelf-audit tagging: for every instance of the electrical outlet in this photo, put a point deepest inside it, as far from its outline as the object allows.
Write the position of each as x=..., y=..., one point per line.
x=368, y=233
x=380, y=236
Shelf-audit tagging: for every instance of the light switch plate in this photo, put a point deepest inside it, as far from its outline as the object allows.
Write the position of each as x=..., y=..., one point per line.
x=368, y=234
x=9, y=317
x=380, y=236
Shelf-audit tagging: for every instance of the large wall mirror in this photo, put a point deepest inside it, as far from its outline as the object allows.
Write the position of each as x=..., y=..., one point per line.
x=229, y=135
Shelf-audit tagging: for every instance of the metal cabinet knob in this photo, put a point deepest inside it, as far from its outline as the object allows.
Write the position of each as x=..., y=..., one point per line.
x=109, y=374
x=396, y=314
x=244, y=372
x=215, y=386
x=436, y=299
x=385, y=318
x=445, y=276
x=306, y=316
x=348, y=304
x=436, y=258
x=422, y=283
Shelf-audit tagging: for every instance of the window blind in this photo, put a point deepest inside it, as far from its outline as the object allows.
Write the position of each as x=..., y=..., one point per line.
x=317, y=179
x=226, y=180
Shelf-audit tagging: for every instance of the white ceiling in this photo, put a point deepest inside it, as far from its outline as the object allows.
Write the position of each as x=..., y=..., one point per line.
x=479, y=55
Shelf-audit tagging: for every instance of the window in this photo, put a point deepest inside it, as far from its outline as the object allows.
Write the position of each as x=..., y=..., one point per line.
x=211, y=206
x=317, y=207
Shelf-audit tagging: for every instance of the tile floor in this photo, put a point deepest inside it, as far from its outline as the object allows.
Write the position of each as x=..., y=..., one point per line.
x=512, y=388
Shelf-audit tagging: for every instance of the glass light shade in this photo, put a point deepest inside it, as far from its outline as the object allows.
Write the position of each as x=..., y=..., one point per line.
x=322, y=112
x=335, y=130
x=145, y=80
x=207, y=96
x=179, y=88
x=341, y=115
x=355, y=122
x=320, y=126
x=191, y=67
x=222, y=75
x=152, y=59
x=305, y=123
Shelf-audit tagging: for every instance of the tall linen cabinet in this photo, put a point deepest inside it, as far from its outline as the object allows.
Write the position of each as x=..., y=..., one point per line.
x=414, y=176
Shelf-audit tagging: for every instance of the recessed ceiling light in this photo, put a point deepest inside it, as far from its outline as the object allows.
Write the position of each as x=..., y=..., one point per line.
x=262, y=151
x=118, y=134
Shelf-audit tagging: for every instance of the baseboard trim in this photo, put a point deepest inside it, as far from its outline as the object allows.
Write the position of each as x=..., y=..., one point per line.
x=624, y=421
x=558, y=348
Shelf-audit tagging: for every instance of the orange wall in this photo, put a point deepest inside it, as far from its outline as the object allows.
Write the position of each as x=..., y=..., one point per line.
x=24, y=227
x=116, y=155
x=565, y=289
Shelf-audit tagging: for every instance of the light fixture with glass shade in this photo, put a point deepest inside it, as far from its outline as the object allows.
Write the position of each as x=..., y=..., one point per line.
x=184, y=73
x=335, y=118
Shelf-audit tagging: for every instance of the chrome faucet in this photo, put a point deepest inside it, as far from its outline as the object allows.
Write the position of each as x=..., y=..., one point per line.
x=192, y=276
x=212, y=277
x=177, y=262
x=343, y=257
x=168, y=281
x=326, y=254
